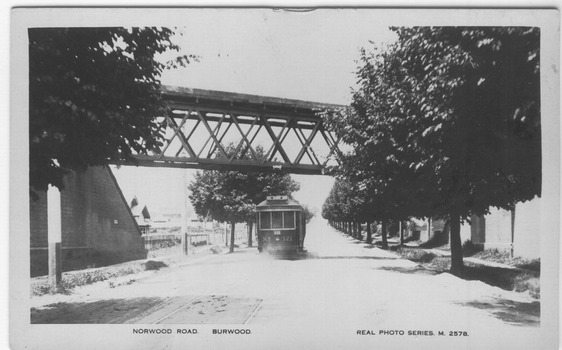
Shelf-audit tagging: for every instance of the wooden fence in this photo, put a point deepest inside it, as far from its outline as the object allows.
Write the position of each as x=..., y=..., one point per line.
x=213, y=237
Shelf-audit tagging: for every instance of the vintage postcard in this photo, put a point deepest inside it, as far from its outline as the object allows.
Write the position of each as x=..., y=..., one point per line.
x=240, y=178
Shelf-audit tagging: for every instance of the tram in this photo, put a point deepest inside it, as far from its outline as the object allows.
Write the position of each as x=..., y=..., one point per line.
x=281, y=224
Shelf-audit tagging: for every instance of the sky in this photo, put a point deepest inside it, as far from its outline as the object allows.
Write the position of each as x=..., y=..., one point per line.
x=301, y=55
x=309, y=56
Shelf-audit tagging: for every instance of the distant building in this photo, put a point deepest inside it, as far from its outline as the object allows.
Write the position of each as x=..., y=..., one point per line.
x=427, y=230
x=506, y=229
x=141, y=214
x=172, y=216
x=140, y=211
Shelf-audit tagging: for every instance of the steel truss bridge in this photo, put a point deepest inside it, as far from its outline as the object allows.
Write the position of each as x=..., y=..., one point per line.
x=208, y=129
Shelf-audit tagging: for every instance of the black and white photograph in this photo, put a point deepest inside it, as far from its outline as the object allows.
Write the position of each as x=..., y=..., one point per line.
x=275, y=178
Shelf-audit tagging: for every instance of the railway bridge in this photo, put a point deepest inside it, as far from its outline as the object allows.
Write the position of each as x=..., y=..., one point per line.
x=266, y=133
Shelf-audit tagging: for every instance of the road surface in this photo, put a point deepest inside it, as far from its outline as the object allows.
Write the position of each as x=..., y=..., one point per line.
x=338, y=285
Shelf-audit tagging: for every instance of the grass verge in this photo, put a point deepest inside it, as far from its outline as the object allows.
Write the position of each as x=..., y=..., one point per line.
x=524, y=277
x=73, y=279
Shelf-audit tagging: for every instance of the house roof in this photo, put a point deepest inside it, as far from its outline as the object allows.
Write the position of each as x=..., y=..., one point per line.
x=139, y=209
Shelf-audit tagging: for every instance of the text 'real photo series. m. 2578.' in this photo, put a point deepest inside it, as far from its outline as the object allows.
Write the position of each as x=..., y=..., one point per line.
x=305, y=168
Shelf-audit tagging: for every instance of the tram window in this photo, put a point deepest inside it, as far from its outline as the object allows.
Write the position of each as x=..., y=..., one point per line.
x=289, y=219
x=276, y=219
x=265, y=220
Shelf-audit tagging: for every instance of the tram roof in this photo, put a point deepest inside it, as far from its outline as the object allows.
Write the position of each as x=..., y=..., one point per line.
x=279, y=204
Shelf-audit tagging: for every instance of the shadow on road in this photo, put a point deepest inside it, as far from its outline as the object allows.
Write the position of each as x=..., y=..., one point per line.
x=409, y=270
x=495, y=276
x=205, y=309
x=289, y=255
x=312, y=255
x=516, y=313
x=100, y=311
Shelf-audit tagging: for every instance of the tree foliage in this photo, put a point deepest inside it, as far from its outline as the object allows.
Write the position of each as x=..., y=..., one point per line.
x=446, y=122
x=231, y=196
x=93, y=97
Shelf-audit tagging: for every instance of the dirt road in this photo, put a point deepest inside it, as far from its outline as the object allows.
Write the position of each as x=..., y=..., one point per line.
x=338, y=285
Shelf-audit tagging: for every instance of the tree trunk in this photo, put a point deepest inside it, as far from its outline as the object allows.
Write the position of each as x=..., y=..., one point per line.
x=429, y=237
x=384, y=234
x=512, y=229
x=401, y=229
x=456, y=246
x=232, y=226
x=250, y=227
x=369, y=234
x=225, y=234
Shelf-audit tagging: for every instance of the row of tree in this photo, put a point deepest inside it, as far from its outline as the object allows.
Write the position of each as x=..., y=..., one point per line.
x=445, y=122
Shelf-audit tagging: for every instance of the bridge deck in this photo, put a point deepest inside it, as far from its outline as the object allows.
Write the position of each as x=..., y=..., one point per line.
x=256, y=103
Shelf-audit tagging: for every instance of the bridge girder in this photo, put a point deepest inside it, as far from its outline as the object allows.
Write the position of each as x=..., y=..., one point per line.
x=212, y=115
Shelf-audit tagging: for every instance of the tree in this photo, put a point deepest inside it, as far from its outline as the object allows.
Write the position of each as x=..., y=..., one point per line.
x=308, y=213
x=93, y=97
x=231, y=196
x=219, y=195
x=446, y=122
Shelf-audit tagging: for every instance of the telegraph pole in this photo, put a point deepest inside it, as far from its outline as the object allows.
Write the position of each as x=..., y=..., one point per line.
x=184, y=225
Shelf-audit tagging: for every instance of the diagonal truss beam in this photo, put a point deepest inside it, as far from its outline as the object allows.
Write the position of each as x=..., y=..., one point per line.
x=213, y=149
x=187, y=139
x=252, y=139
x=244, y=137
x=212, y=134
x=306, y=145
x=333, y=144
x=177, y=133
x=277, y=140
